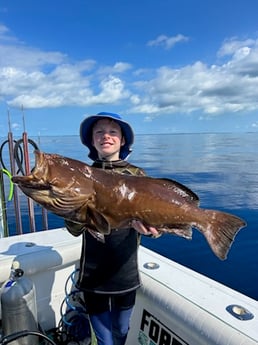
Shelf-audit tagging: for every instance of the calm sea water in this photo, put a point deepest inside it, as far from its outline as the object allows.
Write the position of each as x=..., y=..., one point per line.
x=221, y=168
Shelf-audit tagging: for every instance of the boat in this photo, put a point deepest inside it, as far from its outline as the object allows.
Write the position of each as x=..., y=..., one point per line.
x=174, y=306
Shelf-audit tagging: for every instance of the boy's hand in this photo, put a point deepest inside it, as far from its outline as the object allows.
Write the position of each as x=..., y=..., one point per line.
x=142, y=229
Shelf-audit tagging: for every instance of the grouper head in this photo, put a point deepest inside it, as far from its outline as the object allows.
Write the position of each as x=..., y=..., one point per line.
x=64, y=191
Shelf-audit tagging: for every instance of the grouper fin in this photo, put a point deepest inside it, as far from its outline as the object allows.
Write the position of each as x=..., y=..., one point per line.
x=220, y=230
x=97, y=235
x=182, y=190
x=182, y=230
x=96, y=221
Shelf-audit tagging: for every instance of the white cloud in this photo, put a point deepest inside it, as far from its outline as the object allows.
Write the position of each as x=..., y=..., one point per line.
x=3, y=31
x=118, y=67
x=216, y=89
x=233, y=45
x=15, y=126
x=27, y=57
x=36, y=79
x=112, y=91
x=167, y=42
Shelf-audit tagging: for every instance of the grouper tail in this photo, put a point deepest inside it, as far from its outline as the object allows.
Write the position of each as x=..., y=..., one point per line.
x=220, y=230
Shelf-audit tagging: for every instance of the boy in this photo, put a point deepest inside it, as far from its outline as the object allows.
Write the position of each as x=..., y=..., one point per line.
x=109, y=275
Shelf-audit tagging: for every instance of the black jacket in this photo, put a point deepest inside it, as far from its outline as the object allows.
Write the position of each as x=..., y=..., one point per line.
x=110, y=266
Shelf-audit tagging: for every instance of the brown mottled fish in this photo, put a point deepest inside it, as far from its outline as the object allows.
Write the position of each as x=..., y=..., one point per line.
x=104, y=200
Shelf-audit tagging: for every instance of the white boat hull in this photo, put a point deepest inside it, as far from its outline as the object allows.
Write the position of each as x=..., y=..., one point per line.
x=174, y=306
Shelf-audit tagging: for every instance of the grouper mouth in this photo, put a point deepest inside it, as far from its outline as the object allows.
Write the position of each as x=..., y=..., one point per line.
x=35, y=180
x=27, y=182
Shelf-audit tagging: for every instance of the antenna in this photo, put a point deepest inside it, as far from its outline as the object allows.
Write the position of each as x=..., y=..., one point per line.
x=9, y=120
x=23, y=118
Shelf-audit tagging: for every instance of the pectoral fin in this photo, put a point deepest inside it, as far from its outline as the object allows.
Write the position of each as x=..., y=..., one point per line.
x=97, y=235
x=95, y=220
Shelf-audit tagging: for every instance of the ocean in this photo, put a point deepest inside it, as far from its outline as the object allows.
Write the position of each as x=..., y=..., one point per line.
x=221, y=168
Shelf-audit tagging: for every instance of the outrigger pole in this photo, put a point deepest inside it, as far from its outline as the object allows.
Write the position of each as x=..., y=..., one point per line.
x=16, y=199
x=27, y=172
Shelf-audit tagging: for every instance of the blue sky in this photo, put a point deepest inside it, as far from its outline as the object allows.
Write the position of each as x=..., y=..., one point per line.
x=168, y=66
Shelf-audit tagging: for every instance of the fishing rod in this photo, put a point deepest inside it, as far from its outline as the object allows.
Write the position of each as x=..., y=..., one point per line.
x=19, y=163
x=22, y=159
x=27, y=172
x=27, y=141
x=16, y=199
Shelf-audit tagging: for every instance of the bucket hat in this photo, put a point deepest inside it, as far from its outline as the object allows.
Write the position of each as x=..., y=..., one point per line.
x=86, y=133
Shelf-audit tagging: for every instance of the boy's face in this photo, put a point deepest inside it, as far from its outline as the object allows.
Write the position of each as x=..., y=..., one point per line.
x=107, y=139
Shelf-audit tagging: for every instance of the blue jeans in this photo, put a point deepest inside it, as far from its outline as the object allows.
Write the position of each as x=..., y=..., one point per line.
x=111, y=327
x=110, y=316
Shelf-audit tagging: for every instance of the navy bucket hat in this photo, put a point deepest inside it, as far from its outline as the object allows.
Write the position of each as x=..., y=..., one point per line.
x=86, y=134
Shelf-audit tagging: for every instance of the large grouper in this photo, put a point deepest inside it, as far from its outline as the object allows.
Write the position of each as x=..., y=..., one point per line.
x=104, y=200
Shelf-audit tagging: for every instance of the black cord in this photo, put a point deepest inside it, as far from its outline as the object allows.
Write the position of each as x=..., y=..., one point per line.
x=9, y=338
x=16, y=152
x=74, y=318
x=19, y=154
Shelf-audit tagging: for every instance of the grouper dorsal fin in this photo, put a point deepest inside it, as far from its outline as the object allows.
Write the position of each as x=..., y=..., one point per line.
x=181, y=189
